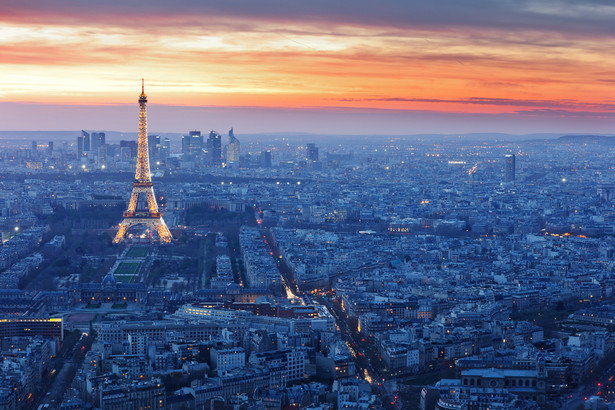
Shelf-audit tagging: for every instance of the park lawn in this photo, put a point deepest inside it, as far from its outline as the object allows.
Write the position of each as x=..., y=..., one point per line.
x=127, y=268
x=137, y=252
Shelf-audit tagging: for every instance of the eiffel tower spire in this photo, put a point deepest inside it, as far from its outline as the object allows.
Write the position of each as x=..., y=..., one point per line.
x=149, y=216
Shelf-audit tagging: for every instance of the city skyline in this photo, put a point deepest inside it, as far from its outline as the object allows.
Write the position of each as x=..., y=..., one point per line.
x=358, y=205
x=396, y=68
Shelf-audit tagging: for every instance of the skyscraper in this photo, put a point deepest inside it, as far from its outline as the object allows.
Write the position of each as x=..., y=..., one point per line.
x=86, y=141
x=80, y=144
x=214, y=148
x=233, y=148
x=97, y=140
x=192, y=144
x=196, y=142
x=312, y=152
x=131, y=146
x=266, y=159
x=186, y=145
x=165, y=150
x=153, y=140
x=125, y=154
x=509, y=168
x=153, y=144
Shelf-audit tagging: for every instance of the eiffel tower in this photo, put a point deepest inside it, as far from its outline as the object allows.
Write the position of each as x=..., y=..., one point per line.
x=144, y=212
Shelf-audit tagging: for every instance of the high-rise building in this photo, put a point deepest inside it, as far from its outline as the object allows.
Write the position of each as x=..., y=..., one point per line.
x=233, y=148
x=94, y=142
x=214, y=148
x=80, y=145
x=266, y=159
x=102, y=157
x=125, y=154
x=192, y=144
x=509, y=168
x=153, y=144
x=196, y=142
x=186, y=145
x=131, y=146
x=86, y=141
x=34, y=147
x=312, y=152
x=50, y=148
x=153, y=140
x=165, y=150
x=97, y=140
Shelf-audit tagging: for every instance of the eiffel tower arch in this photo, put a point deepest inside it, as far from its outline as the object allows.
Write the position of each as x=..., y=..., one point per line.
x=143, y=208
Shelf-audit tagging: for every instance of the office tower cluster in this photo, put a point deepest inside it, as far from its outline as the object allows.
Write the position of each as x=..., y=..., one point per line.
x=38, y=153
x=210, y=152
x=93, y=152
x=93, y=146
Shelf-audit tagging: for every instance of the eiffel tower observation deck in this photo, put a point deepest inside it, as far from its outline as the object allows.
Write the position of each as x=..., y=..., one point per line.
x=143, y=209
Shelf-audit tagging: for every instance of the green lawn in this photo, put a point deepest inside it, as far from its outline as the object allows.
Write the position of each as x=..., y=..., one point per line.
x=137, y=252
x=127, y=268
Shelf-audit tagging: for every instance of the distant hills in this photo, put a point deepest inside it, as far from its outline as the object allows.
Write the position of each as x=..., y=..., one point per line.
x=587, y=139
x=115, y=136
x=60, y=135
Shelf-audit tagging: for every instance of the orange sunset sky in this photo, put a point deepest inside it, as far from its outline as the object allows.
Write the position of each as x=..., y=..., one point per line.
x=399, y=67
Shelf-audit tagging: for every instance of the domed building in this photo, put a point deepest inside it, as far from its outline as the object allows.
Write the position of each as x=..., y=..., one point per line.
x=109, y=280
x=110, y=290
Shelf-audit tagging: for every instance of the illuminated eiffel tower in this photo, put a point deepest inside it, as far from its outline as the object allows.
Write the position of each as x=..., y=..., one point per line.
x=143, y=208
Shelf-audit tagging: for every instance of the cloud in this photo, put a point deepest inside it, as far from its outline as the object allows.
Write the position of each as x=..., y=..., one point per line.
x=567, y=113
x=49, y=54
x=396, y=54
x=591, y=17
x=503, y=102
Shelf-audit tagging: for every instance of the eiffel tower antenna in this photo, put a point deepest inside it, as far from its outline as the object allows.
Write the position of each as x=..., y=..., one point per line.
x=150, y=217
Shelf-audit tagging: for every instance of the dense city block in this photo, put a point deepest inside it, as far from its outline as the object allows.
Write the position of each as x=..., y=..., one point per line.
x=321, y=273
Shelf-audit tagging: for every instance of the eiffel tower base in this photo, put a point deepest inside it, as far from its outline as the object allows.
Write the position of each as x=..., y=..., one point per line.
x=150, y=223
